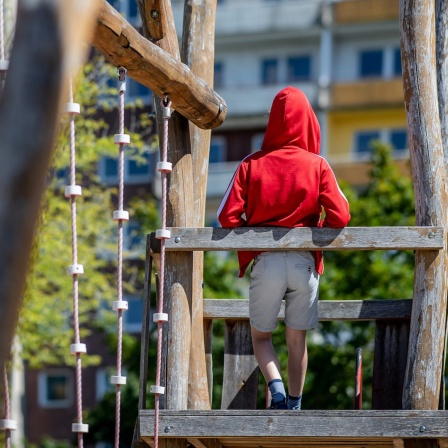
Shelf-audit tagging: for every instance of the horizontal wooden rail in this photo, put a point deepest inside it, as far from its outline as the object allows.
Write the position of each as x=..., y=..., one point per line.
x=302, y=238
x=338, y=425
x=122, y=45
x=329, y=310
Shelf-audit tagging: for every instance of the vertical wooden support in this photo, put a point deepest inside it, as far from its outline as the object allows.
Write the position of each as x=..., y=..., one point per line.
x=179, y=266
x=389, y=366
x=427, y=332
x=240, y=378
x=198, y=49
x=442, y=90
x=208, y=343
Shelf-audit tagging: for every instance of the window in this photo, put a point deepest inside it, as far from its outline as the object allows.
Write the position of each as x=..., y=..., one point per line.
x=133, y=239
x=136, y=90
x=257, y=141
x=218, y=74
x=399, y=139
x=102, y=380
x=397, y=62
x=299, y=68
x=363, y=141
x=269, y=69
x=134, y=172
x=217, y=150
x=134, y=315
x=55, y=388
x=371, y=63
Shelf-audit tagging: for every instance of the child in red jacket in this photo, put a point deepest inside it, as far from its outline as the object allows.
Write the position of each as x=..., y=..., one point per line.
x=285, y=184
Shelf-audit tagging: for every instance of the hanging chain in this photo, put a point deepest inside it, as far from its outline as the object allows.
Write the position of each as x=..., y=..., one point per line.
x=163, y=234
x=75, y=269
x=120, y=216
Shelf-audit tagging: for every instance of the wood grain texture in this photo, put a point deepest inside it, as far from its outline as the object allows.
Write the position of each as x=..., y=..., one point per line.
x=157, y=69
x=46, y=49
x=197, y=52
x=329, y=310
x=389, y=366
x=428, y=322
x=312, y=424
x=240, y=376
x=304, y=238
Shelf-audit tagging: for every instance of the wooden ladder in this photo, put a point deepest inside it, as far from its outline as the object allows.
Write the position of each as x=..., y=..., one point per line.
x=239, y=424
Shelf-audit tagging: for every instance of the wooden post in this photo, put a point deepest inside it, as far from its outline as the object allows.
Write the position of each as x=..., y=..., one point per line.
x=46, y=49
x=391, y=350
x=442, y=90
x=198, y=49
x=179, y=266
x=240, y=378
x=427, y=332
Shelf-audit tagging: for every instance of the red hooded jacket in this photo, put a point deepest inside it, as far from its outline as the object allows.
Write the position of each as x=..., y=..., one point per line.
x=286, y=183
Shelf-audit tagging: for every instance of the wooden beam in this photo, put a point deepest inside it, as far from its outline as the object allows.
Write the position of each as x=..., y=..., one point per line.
x=240, y=376
x=156, y=69
x=389, y=362
x=303, y=238
x=329, y=310
x=428, y=322
x=312, y=424
x=46, y=48
x=198, y=52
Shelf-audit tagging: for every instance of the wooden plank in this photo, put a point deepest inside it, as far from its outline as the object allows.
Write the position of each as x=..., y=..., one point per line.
x=240, y=376
x=312, y=424
x=391, y=350
x=204, y=443
x=428, y=322
x=48, y=45
x=303, y=238
x=328, y=309
x=122, y=45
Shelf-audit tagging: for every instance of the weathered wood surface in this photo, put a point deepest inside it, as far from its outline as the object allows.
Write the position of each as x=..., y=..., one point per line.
x=316, y=424
x=46, y=49
x=442, y=90
x=389, y=366
x=303, y=238
x=240, y=376
x=428, y=322
x=178, y=278
x=157, y=69
x=329, y=310
x=208, y=346
x=198, y=51
x=442, y=70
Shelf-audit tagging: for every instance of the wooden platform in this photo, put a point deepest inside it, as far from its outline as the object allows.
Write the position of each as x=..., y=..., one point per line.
x=276, y=429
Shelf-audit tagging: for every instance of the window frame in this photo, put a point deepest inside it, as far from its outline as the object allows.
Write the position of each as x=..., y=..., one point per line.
x=42, y=390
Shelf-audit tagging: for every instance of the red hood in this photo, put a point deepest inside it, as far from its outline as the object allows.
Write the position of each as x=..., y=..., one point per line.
x=292, y=123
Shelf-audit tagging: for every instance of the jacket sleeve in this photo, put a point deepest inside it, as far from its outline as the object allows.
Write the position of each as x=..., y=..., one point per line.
x=233, y=205
x=335, y=204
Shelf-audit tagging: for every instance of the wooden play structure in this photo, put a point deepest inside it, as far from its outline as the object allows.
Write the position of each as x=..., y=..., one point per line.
x=410, y=340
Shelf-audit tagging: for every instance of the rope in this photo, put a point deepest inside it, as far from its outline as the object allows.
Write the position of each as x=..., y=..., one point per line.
x=164, y=167
x=7, y=407
x=75, y=269
x=120, y=215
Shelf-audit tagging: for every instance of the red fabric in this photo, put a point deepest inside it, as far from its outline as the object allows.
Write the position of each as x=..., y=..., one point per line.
x=287, y=183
